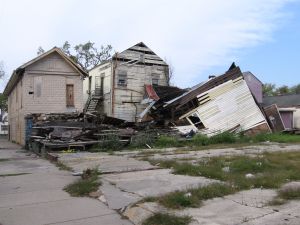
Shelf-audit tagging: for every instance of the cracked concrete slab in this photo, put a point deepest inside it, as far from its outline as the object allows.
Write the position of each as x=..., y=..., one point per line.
x=38, y=199
x=154, y=182
x=104, y=162
x=116, y=198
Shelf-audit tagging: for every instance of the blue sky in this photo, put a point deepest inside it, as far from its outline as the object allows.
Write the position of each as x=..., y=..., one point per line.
x=278, y=59
x=198, y=37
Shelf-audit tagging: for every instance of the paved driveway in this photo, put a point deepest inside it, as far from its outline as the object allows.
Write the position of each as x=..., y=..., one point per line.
x=32, y=194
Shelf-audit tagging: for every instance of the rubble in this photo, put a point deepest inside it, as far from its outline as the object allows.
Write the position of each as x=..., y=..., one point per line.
x=81, y=131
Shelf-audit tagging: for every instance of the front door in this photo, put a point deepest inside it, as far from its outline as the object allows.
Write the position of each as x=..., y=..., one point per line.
x=70, y=95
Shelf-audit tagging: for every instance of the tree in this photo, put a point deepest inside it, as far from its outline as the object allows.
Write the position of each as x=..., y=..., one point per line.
x=269, y=89
x=2, y=72
x=3, y=102
x=40, y=51
x=284, y=89
x=86, y=55
x=295, y=89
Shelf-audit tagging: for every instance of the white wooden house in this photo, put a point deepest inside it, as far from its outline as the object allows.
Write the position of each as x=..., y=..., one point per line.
x=117, y=87
x=49, y=83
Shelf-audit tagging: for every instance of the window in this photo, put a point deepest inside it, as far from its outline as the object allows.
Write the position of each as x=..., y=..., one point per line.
x=70, y=95
x=155, y=79
x=194, y=118
x=122, y=79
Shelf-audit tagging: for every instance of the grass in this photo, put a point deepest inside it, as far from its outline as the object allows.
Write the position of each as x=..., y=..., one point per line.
x=13, y=174
x=167, y=219
x=225, y=138
x=4, y=160
x=270, y=170
x=289, y=194
x=194, y=197
x=88, y=183
x=62, y=166
x=284, y=195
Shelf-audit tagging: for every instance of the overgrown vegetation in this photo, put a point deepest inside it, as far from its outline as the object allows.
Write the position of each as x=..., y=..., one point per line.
x=269, y=170
x=88, y=183
x=289, y=194
x=192, y=197
x=149, y=139
x=285, y=194
x=225, y=138
x=167, y=219
x=62, y=166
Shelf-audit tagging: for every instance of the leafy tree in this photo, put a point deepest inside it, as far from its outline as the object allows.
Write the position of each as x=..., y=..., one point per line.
x=295, y=89
x=3, y=102
x=269, y=89
x=283, y=90
x=86, y=55
x=2, y=72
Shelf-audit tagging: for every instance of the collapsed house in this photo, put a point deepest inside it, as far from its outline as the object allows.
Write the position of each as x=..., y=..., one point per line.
x=223, y=103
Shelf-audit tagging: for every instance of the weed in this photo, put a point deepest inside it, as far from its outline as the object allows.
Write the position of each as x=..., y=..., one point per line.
x=289, y=194
x=165, y=142
x=62, y=166
x=270, y=171
x=167, y=219
x=13, y=174
x=277, y=201
x=4, y=160
x=193, y=197
x=89, y=182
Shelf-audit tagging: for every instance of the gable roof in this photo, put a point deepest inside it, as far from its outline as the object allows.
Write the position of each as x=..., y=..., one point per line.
x=16, y=75
x=133, y=54
x=290, y=100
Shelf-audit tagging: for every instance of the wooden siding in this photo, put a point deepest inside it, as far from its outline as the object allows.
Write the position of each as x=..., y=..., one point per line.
x=227, y=106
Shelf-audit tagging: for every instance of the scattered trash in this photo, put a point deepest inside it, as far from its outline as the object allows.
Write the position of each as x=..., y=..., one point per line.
x=249, y=175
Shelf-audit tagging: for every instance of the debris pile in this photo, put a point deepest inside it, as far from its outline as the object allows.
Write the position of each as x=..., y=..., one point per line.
x=78, y=130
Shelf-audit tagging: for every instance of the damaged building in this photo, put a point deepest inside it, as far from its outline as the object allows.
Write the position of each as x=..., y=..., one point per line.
x=117, y=87
x=223, y=103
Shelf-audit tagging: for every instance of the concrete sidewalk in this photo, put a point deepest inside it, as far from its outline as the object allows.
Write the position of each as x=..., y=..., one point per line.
x=33, y=194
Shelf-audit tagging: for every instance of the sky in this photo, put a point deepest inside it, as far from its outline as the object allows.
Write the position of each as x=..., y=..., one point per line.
x=198, y=37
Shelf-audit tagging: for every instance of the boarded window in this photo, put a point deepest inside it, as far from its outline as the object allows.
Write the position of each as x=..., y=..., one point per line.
x=122, y=79
x=70, y=94
x=38, y=86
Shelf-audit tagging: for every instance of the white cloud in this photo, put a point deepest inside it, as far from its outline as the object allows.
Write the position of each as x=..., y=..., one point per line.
x=194, y=35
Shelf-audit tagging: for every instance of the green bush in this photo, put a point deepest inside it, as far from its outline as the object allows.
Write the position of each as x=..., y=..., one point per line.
x=200, y=140
x=165, y=141
x=167, y=219
x=223, y=138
